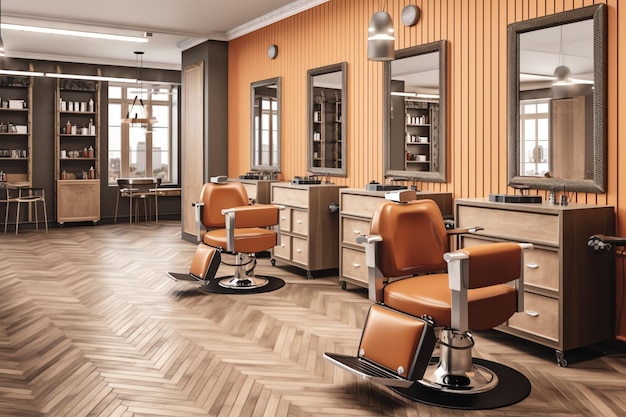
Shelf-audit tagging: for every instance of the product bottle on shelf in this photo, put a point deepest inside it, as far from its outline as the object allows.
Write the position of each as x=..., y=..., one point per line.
x=92, y=173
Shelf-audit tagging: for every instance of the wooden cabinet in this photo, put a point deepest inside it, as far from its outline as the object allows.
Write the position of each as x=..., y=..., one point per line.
x=258, y=190
x=77, y=150
x=356, y=209
x=16, y=127
x=309, y=229
x=569, y=291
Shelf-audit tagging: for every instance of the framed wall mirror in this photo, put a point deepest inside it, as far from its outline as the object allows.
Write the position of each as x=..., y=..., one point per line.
x=415, y=113
x=326, y=150
x=265, y=125
x=557, y=135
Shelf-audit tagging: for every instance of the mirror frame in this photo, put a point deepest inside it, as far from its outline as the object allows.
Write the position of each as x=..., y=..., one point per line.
x=597, y=184
x=263, y=83
x=425, y=176
x=331, y=172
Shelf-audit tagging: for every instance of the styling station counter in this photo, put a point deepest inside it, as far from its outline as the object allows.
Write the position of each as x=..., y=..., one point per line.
x=309, y=227
x=569, y=291
x=258, y=190
x=356, y=210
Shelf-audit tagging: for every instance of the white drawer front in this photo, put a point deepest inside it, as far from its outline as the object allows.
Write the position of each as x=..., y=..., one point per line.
x=290, y=197
x=284, y=249
x=300, y=251
x=359, y=205
x=540, y=317
x=353, y=228
x=300, y=222
x=353, y=265
x=284, y=219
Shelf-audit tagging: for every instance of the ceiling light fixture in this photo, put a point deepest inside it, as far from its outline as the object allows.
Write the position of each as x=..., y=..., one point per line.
x=24, y=73
x=144, y=120
x=78, y=33
x=90, y=77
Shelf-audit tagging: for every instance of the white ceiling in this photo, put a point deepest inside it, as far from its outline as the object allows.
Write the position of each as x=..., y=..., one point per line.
x=175, y=25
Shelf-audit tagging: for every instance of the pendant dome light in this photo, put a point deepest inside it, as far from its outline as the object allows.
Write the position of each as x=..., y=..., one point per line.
x=380, y=40
x=562, y=72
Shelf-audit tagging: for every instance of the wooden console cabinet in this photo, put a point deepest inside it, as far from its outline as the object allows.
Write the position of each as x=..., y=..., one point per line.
x=309, y=229
x=569, y=291
x=258, y=190
x=357, y=206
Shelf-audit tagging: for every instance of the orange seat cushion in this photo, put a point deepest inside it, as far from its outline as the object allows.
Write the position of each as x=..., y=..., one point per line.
x=430, y=294
x=247, y=240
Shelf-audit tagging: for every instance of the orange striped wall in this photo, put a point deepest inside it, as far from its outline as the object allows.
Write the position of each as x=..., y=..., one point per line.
x=476, y=32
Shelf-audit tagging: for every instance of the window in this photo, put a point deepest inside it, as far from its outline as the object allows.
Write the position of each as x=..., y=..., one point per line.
x=535, y=134
x=266, y=131
x=137, y=151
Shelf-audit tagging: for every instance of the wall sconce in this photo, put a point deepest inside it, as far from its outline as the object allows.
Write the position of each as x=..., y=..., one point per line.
x=410, y=15
x=272, y=51
x=380, y=40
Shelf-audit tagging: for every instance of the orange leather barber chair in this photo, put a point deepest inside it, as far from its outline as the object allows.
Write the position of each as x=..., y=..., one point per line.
x=419, y=285
x=228, y=224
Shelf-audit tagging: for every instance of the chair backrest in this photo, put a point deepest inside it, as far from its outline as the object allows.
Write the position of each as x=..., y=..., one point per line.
x=219, y=196
x=414, y=238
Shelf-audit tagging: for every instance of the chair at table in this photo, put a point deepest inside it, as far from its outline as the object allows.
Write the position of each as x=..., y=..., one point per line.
x=138, y=190
x=228, y=223
x=412, y=274
x=25, y=195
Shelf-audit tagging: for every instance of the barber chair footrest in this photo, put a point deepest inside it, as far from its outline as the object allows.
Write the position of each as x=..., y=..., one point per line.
x=367, y=370
x=177, y=276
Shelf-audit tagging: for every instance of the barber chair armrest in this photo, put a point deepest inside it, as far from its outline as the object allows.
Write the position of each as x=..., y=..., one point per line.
x=459, y=274
x=198, y=206
x=375, y=278
x=258, y=215
x=460, y=231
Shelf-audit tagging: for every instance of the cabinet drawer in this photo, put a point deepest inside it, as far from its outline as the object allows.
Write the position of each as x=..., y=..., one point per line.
x=540, y=317
x=290, y=197
x=353, y=228
x=284, y=249
x=284, y=219
x=300, y=250
x=508, y=224
x=359, y=205
x=541, y=266
x=353, y=265
x=300, y=222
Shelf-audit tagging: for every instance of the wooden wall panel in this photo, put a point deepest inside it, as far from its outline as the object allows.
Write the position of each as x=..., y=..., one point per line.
x=476, y=31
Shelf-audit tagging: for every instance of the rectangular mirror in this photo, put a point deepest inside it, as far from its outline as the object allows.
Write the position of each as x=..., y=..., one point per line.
x=557, y=101
x=265, y=125
x=326, y=150
x=415, y=114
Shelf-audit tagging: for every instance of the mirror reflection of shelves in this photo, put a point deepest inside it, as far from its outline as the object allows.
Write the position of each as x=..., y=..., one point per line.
x=421, y=135
x=16, y=94
x=327, y=128
x=77, y=150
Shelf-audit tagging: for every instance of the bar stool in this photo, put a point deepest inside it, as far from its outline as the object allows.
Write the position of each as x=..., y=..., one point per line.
x=30, y=196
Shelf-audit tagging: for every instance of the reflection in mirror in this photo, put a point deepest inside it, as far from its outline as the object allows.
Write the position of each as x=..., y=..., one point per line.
x=265, y=125
x=327, y=125
x=415, y=109
x=557, y=120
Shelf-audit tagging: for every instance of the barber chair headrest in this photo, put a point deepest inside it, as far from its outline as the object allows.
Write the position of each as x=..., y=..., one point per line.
x=401, y=196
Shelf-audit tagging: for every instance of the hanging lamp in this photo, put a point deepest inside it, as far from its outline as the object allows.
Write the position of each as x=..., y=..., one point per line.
x=380, y=39
x=562, y=72
x=138, y=105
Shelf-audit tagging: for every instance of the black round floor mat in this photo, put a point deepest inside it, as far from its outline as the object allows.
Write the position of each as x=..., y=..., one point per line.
x=213, y=286
x=512, y=387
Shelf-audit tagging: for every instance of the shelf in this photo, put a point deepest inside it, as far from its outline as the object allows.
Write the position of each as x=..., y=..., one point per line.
x=93, y=113
x=14, y=110
x=13, y=134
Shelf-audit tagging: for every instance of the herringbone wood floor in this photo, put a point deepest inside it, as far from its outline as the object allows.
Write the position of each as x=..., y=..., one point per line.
x=91, y=326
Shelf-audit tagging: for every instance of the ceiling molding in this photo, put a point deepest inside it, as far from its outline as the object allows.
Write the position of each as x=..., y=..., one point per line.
x=273, y=17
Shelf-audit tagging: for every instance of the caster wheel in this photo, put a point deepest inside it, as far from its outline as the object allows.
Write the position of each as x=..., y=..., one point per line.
x=344, y=285
x=273, y=261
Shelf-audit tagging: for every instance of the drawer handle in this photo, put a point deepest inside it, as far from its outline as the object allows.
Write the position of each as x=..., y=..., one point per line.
x=299, y=250
x=356, y=265
x=282, y=245
x=283, y=218
x=532, y=265
x=356, y=232
x=299, y=221
x=532, y=313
